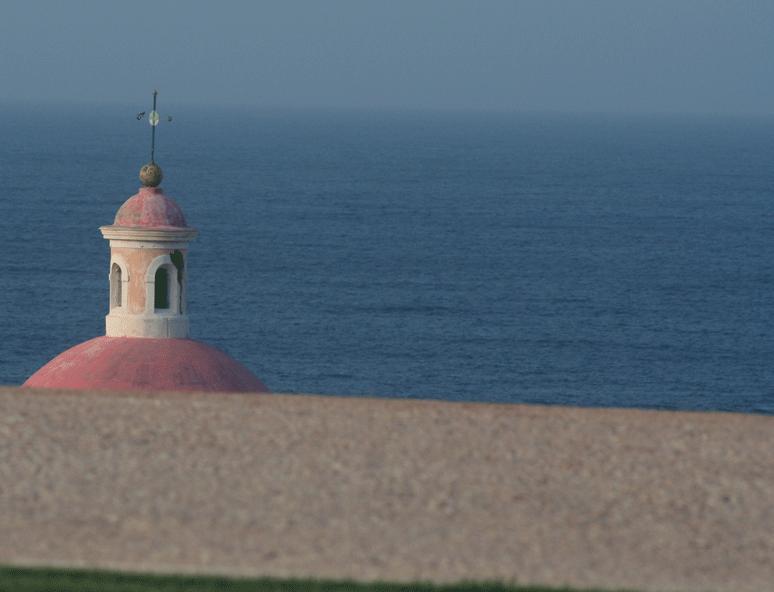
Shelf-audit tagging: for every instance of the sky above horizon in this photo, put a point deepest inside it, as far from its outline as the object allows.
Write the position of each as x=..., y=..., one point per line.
x=704, y=57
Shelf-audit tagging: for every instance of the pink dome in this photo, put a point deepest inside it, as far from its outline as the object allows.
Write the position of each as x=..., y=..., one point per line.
x=127, y=363
x=151, y=209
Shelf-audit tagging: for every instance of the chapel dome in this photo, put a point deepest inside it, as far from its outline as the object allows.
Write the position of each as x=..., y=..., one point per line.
x=126, y=363
x=146, y=345
x=152, y=210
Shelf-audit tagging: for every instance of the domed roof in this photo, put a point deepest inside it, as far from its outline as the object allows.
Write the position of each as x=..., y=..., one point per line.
x=128, y=363
x=151, y=209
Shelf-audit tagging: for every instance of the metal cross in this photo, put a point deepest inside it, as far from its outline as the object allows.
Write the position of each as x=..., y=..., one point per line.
x=153, y=119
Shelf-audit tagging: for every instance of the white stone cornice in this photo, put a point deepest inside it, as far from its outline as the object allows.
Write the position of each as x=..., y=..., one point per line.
x=133, y=233
x=143, y=238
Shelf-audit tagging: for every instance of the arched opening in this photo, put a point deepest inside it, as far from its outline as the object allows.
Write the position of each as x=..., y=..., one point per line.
x=161, y=295
x=162, y=290
x=178, y=261
x=115, y=286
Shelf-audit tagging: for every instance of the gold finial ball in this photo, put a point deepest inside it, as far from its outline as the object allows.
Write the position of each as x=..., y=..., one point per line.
x=150, y=175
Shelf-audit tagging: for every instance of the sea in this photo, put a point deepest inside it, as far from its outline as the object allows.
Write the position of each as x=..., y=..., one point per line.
x=554, y=259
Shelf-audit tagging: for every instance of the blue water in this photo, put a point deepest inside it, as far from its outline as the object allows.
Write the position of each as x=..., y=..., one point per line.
x=555, y=259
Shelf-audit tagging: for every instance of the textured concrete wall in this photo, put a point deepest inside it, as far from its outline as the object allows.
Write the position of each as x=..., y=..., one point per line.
x=391, y=489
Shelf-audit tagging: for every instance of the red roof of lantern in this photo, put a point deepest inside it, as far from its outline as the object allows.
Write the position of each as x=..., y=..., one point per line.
x=152, y=210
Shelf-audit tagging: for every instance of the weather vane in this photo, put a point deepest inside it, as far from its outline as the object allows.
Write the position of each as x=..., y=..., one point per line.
x=151, y=175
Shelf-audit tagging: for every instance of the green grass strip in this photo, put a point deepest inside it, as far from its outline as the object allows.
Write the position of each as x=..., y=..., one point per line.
x=22, y=579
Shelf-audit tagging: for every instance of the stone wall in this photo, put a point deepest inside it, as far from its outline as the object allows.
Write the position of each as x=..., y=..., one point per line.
x=292, y=485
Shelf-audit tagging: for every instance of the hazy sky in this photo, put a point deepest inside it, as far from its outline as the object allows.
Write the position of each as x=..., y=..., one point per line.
x=594, y=55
